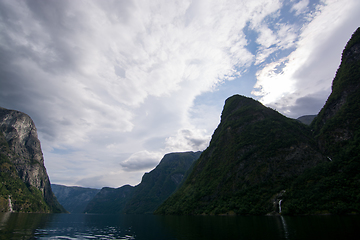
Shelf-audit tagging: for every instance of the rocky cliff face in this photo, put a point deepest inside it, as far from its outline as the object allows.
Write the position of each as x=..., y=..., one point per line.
x=24, y=152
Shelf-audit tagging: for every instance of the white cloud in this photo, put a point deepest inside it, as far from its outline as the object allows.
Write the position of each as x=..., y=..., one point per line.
x=112, y=82
x=311, y=67
x=300, y=7
x=283, y=37
x=186, y=139
x=143, y=160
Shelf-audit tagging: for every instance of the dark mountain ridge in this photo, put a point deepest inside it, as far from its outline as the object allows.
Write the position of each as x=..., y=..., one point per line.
x=73, y=199
x=258, y=158
x=154, y=188
x=110, y=200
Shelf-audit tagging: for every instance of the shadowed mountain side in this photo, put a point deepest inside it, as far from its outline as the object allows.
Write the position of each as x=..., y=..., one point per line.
x=160, y=183
x=110, y=200
x=252, y=155
x=73, y=199
x=334, y=187
x=155, y=187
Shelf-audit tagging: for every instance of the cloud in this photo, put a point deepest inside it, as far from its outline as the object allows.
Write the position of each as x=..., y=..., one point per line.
x=114, y=85
x=310, y=69
x=142, y=160
x=300, y=7
x=186, y=139
x=307, y=105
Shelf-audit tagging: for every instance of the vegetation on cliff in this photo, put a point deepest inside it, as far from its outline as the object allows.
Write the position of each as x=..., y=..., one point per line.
x=334, y=187
x=13, y=191
x=253, y=155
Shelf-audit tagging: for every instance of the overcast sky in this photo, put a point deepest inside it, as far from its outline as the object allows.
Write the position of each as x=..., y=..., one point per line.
x=114, y=85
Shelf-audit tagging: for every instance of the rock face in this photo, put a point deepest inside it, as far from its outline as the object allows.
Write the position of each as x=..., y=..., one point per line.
x=155, y=187
x=74, y=199
x=23, y=150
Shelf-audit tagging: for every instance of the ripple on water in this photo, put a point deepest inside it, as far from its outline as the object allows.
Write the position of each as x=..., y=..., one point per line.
x=73, y=233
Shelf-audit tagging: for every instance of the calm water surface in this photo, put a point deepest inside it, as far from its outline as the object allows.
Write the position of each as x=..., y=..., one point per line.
x=149, y=227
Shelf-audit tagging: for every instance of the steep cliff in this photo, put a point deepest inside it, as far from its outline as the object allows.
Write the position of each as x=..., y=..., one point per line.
x=21, y=150
x=337, y=123
x=334, y=187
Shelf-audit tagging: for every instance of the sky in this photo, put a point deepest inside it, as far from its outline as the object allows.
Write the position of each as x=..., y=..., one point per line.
x=112, y=86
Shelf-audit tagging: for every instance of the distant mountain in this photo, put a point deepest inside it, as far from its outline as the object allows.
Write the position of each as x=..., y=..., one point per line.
x=155, y=187
x=307, y=119
x=25, y=185
x=160, y=183
x=110, y=200
x=73, y=199
x=258, y=159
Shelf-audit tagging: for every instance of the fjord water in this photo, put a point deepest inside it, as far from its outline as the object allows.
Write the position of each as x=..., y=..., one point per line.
x=86, y=226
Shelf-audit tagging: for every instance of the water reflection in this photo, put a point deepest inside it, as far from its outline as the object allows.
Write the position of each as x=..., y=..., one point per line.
x=224, y=227
x=4, y=217
x=286, y=231
x=82, y=226
x=21, y=225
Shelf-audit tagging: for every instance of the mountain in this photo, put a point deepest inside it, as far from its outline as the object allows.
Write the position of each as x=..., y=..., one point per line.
x=73, y=199
x=25, y=185
x=307, y=119
x=155, y=187
x=259, y=160
x=110, y=200
x=160, y=183
x=253, y=154
x=334, y=187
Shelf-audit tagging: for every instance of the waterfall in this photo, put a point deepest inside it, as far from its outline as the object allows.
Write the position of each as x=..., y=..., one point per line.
x=10, y=205
x=280, y=205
